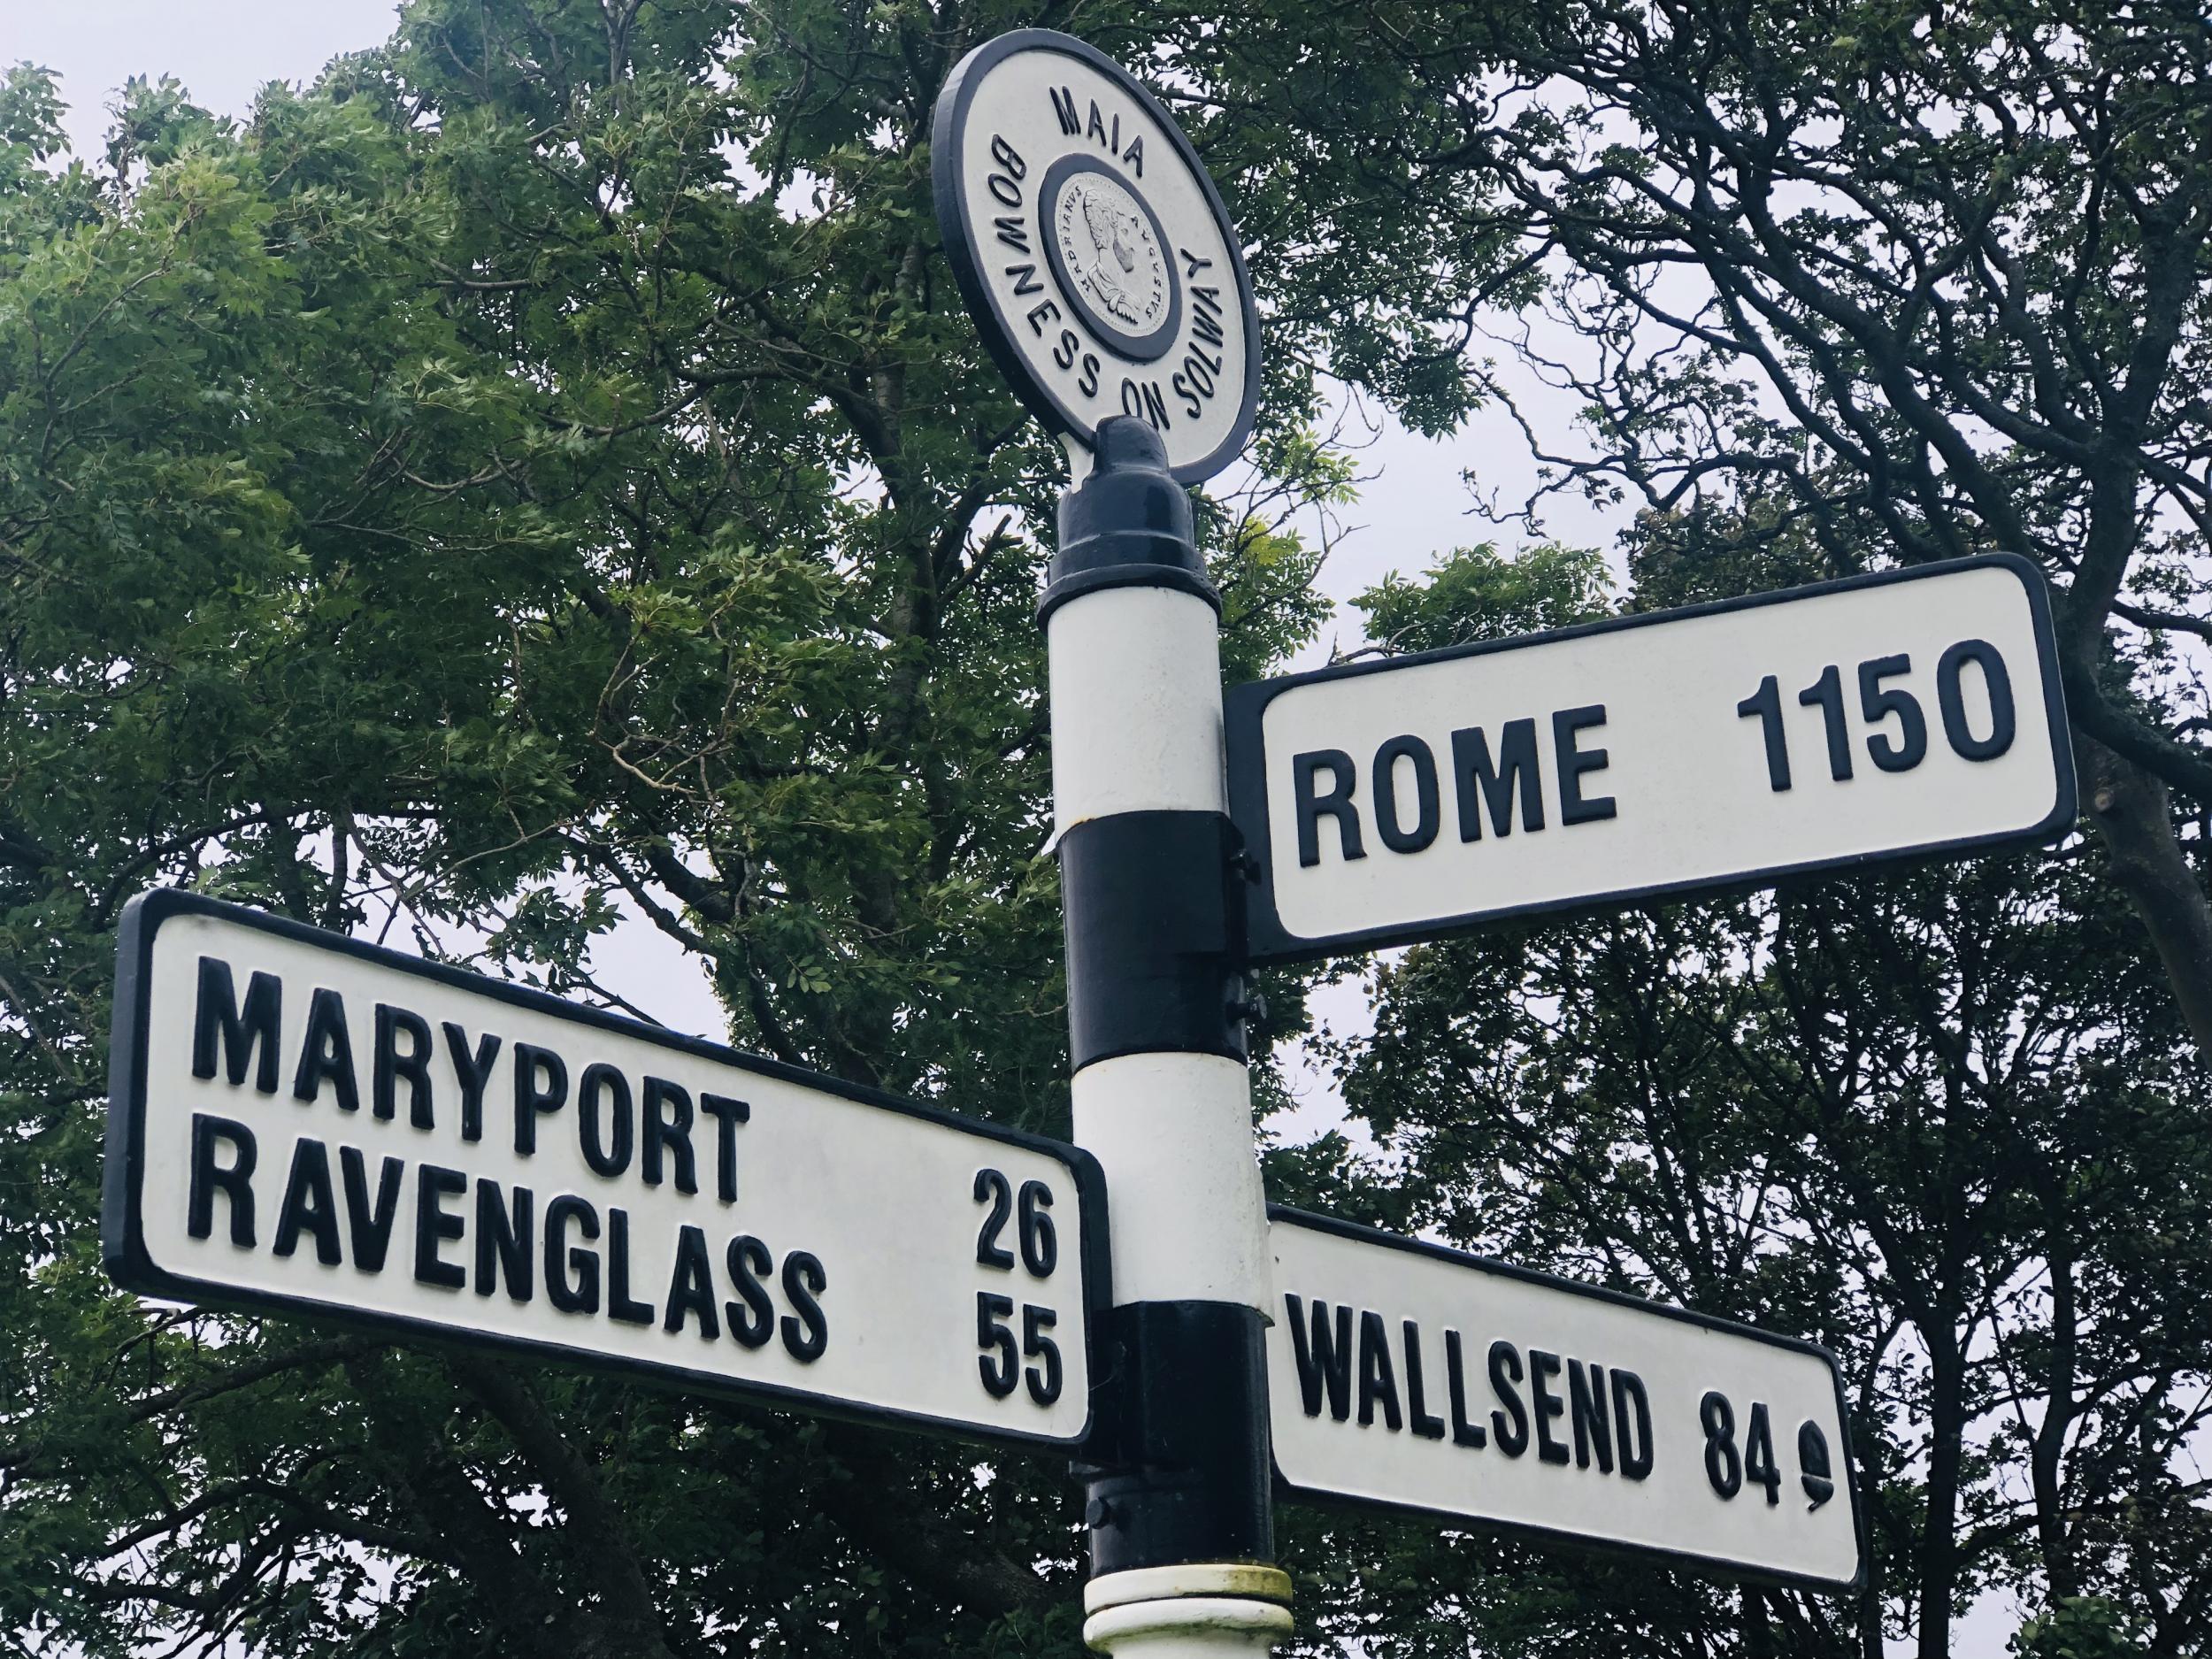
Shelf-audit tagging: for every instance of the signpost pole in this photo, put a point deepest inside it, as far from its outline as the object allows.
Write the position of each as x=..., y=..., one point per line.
x=1179, y=1476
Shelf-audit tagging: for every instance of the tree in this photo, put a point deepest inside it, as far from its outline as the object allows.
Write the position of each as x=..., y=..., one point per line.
x=1919, y=282
x=540, y=469
x=1941, y=1122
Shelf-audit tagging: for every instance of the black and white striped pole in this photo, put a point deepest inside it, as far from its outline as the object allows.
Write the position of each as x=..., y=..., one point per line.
x=1104, y=272
x=1181, y=1535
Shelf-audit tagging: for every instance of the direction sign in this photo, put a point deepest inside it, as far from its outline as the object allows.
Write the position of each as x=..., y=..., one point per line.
x=299, y=1121
x=1410, y=1377
x=1093, y=250
x=1906, y=714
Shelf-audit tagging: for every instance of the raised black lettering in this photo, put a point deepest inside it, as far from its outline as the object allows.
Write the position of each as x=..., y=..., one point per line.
x=606, y=1145
x=234, y=1181
x=805, y=1330
x=1063, y=106
x=391, y=1066
x=1024, y=279
x=1304, y=769
x=668, y=1119
x=1378, y=1377
x=1388, y=825
x=473, y=1070
x=727, y=1114
x=309, y=1204
x=1097, y=128
x=1013, y=232
x=1509, y=1426
x=216, y=1016
x=1633, y=1405
x=1542, y=1368
x=1464, y=1432
x=1205, y=317
x=620, y=1304
x=1594, y=1430
x=434, y=1225
x=326, y=1052
x=369, y=1222
x=1007, y=156
x=1479, y=783
x=502, y=1241
x=1951, y=698
x=748, y=1262
x=540, y=1086
x=1428, y=1427
x=1324, y=1359
x=579, y=1293
x=1039, y=315
x=1574, y=806
x=691, y=1286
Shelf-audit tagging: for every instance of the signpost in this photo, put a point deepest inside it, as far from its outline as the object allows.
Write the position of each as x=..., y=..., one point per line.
x=302, y=1123
x=1413, y=1377
x=1908, y=714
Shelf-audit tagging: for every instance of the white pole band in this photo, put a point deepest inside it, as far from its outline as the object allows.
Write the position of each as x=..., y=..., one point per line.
x=1173, y=1132
x=1136, y=706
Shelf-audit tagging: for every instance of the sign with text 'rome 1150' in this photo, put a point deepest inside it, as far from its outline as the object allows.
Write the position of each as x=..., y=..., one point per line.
x=1908, y=714
x=302, y=1122
x=1408, y=1377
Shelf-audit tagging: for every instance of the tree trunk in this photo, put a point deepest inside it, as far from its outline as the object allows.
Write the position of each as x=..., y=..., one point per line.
x=1938, y=1545
x=2134, y=815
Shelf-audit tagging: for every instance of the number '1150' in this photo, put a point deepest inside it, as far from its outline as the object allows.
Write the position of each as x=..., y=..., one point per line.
x=1879, y=702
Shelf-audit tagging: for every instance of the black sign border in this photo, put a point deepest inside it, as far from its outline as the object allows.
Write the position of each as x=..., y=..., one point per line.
x=1268, y=942
x=1717, y=1566
x=123, y=1248
x=947, y=142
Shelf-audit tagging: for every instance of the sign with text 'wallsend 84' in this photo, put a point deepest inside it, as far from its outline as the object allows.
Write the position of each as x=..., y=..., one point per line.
x=1410, y=1377
x=1906, y=714
x=303, y=1122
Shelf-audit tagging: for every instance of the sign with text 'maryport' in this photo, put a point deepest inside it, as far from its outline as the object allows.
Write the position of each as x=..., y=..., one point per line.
x=1408, y=1377
x=1910, y=714
x=301, y=1122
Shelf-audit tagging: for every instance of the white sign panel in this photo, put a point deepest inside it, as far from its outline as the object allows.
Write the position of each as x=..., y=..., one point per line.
x=1911, y=713
x=1093, y=250
x=303, y=1122
x=1415, y=1378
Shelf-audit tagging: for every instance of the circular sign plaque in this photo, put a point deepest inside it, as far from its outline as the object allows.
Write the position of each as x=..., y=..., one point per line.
x=1092, y=249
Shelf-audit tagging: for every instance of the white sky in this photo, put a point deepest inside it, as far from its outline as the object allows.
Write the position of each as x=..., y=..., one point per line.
x=1415, y=507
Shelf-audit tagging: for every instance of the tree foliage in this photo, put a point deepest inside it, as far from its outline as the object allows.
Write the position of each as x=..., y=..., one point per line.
x=1920, y=282
x=540, y=474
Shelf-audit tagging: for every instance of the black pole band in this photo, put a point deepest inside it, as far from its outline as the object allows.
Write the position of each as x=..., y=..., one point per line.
x=1129, y=526
x=1149, y=901
x=1180, y=1471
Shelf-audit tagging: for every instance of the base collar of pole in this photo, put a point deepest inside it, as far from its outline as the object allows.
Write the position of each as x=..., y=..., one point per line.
x=1247, y=1580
